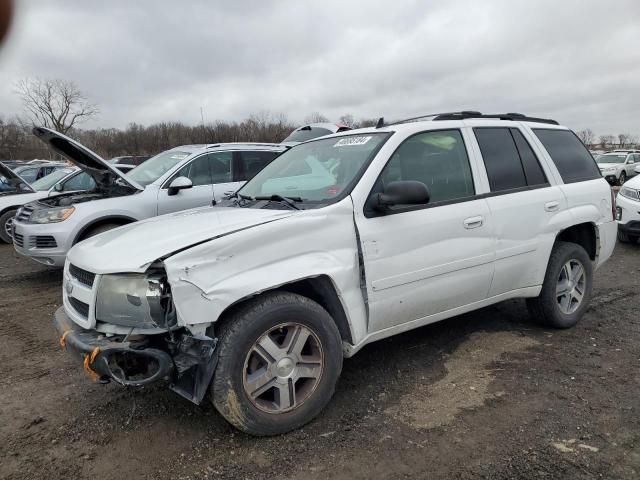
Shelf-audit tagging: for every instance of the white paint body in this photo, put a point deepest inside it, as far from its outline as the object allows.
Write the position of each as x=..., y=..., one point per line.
x=420, y=266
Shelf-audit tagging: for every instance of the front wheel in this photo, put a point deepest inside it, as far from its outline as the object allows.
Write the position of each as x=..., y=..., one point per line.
x=280, y=357
x=622, y=178
x=6, y=226
x=566, y=291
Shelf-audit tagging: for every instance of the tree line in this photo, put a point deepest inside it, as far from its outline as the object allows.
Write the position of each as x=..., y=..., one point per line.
x=607, y=141
x=59, y=104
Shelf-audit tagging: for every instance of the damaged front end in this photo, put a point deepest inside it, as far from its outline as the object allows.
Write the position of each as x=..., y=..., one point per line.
x=136, y=340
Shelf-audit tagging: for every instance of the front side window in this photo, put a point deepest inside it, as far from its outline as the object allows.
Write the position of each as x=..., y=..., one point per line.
x=252, y=162
x=438, y=159
x=197, y=171
x=573, y=160
x=155, y=167
x=319, y=170
x=80, y=182
x=220, y=164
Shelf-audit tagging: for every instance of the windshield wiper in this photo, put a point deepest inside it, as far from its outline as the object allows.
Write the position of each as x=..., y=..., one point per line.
x=291, y=201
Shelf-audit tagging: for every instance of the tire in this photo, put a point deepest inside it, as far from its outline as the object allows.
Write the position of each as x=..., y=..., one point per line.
x=546, y=308
x=623, y=237
x=622, y=178
x=270, y=413
x=99, y=229
x=6, y=219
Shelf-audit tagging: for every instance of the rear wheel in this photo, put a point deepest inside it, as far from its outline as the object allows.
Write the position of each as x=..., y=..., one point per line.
x=280, y=356
x=6, y=226
x=566, y=291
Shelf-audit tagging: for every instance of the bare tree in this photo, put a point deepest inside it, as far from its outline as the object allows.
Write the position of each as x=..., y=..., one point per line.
x=348, y=120
x=606, y=140
x=586, y=136
x=624, y=139
x=315, y=117
x=54, y=103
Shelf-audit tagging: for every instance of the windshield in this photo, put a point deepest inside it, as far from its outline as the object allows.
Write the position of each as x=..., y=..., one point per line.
x=307, y=133
x=155, y=167
x=612, y=158
x=48, y=181
x=317, y=171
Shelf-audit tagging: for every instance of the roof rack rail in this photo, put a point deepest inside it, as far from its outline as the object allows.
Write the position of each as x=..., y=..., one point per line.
x=499, y=116
x=465, y=114
x=428, y=115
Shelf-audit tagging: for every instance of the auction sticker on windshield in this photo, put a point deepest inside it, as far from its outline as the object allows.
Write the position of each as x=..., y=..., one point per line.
x=351, y=141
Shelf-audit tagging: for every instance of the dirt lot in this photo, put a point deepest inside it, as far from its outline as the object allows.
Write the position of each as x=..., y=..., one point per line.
x=484, y=395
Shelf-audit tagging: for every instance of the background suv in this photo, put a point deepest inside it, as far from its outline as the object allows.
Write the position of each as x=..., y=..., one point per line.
x=340, y=241
x=618, y=166
x=182, y=178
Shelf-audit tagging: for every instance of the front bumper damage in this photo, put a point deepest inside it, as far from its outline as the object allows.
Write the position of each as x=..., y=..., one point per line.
x=186, y=362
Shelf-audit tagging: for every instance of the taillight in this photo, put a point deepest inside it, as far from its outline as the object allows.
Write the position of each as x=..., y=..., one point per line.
x=613, y=204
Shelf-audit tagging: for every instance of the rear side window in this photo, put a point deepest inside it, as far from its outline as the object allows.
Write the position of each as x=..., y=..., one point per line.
x=252, y=162
x=532, y=169
x=573, y=160
x=501, y=159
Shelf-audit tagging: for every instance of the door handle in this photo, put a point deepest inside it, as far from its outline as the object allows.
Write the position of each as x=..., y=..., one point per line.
x=473, y=222
x=551, y=206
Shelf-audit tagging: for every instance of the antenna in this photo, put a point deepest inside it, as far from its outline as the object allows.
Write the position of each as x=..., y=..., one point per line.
x=380, y=123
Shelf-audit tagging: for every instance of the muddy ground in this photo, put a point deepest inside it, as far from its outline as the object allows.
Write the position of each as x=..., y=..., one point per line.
x=483, y=395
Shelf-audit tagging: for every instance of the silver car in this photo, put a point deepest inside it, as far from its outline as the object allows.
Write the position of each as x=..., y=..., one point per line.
x=184, y=177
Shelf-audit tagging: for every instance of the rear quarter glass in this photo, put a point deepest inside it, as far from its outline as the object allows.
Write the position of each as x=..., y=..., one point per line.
x=571, y=157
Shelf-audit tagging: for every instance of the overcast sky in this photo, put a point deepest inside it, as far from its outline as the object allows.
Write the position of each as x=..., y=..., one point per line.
x=147, y=61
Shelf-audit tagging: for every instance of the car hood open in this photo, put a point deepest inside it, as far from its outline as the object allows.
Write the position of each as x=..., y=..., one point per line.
x=14, y=178
x=133, y=247
x=100, y=170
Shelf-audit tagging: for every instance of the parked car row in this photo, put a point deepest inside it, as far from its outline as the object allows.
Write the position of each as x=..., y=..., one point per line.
x=331, y=244
x=619, y=165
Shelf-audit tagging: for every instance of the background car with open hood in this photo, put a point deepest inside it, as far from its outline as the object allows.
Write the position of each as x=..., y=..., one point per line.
x=182, y=178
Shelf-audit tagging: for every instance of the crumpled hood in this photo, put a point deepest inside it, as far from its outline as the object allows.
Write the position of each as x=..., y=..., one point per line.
x=133, y=247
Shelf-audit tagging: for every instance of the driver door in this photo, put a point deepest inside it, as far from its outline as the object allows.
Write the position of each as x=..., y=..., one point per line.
x=421, y=260
x=200, y=194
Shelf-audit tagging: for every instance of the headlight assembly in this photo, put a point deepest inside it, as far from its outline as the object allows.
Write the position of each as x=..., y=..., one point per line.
x=135, y=300
x=630, y=193
x=51, y=215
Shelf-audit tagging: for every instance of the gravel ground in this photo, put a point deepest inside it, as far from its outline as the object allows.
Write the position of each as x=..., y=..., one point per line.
x=483, y=395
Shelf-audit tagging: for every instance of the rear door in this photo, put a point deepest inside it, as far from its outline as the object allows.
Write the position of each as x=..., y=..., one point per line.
x=200, y=194
x=421, y=260
x=523, y=204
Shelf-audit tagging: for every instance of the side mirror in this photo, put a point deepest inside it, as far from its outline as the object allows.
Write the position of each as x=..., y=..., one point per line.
x=406, y=192
x=58, y=187
x=180, y=183
x=630, y=162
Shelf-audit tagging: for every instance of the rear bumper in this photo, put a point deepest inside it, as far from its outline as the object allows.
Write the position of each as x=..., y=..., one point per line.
x=106, y=358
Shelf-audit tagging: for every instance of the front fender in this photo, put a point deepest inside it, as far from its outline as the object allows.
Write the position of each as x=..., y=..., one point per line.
x=209, y=278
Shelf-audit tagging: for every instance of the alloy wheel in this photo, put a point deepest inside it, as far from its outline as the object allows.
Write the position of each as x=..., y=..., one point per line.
x=283, y=368
x=570, y=287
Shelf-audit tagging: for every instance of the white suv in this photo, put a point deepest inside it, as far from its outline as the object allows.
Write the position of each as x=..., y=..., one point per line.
x=179, y=179
x=619, y=165
x=340, y=241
